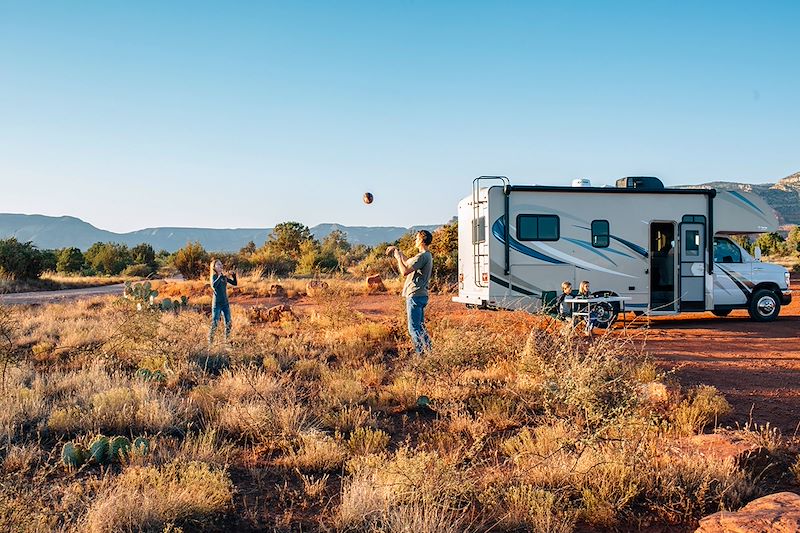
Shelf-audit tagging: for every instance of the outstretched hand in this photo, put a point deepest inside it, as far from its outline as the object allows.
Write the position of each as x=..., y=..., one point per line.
x=391, y=250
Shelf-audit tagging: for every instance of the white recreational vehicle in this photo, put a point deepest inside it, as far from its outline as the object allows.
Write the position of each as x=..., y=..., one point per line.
x=667, y=250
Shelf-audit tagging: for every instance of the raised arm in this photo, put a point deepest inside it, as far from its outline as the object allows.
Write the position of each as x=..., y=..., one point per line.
x=233, y=281
x=402, y=261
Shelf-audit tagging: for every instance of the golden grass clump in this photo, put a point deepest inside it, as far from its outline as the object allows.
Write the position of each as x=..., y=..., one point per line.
x=702, y=406
x=149, y=498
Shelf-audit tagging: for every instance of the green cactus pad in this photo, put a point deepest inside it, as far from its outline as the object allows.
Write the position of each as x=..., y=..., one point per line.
x=72, y=455
x=98, y=451
x=119, y=449
x=141, y=446
x=144, y=373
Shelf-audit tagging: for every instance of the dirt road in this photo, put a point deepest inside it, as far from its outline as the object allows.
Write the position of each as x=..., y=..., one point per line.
x=44, y=297
x=755, y=365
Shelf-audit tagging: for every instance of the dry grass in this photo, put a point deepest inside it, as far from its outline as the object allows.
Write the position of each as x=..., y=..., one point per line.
x=520, y=427
x=150, y=498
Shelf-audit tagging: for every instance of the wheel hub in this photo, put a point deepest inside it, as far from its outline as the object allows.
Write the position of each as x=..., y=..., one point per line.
x=766, y=306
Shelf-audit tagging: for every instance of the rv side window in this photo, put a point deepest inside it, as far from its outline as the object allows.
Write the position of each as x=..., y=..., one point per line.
x=726, y=252
x=478, y=230
x=537, y=228
x=600, y=232
x=693, y=243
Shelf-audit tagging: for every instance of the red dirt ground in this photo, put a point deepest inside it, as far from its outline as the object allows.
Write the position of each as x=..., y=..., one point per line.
x=755, y=365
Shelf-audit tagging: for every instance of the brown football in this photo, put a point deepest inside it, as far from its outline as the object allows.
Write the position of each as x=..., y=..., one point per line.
x=367, y=197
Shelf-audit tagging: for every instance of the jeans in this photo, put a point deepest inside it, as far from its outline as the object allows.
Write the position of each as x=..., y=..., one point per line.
x=216, y=309
x=415, y=309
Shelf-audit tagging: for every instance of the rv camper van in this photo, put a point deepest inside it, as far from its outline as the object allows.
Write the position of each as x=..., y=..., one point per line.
x=663, y=250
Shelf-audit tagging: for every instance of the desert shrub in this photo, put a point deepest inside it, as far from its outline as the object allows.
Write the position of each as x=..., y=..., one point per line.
x=364, y=441
x=318, y=453
x=20, y=260
x=380, y=484
x=771, y=244
x=144, y=254
x=70, y=260
x=272, y=262
x=314, y=259
x=108, y=257
x=702, y=406
x=192, y=261
x=149, y=498
x=138, y=270
x=531, y=508
x=287, y=238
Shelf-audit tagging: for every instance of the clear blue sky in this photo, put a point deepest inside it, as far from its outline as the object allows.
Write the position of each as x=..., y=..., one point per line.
x=245, y=114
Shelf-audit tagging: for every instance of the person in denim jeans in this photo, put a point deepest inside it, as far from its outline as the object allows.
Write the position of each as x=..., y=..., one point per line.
x=417, y=271
x=219, y=302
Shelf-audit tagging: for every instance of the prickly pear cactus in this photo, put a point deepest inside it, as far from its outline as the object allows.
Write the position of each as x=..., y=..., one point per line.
x=99, y=450
x=73, y=455
x=119, y=449
x=141, y=446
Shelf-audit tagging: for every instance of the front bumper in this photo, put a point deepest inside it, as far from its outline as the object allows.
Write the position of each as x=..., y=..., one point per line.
x=786, y=297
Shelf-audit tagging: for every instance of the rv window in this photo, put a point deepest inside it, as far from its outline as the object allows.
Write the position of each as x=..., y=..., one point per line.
x=699, y=219
x=479, y=230
x=726, y=252
x=537, y=228
x=692, y=242
x=600, y=231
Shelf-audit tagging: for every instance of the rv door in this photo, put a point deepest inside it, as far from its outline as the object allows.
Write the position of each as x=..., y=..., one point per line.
x=480, y=245
x=692, y=266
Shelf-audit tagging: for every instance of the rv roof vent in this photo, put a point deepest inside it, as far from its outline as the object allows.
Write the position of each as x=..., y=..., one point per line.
x=581, y=182
x=640, y=182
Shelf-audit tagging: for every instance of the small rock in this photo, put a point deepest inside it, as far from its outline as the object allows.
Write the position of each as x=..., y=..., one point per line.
x=315, y=287
x=375, y=284
x=653, y=393
x=277, y=291
x=260, y=314
x=776, y=513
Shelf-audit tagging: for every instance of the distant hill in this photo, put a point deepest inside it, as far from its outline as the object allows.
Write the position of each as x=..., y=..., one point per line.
x=59, y=232
x=784, y=196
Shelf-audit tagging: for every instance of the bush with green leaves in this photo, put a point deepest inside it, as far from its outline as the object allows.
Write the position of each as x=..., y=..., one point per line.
x=21, y=260
x=70, y=260
x=108, y=258
x=771, y=244
x=192, y=261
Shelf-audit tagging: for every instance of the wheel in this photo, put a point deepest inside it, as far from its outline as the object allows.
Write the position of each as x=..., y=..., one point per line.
x=605, y=314
x=721, y=312
x=764, y=306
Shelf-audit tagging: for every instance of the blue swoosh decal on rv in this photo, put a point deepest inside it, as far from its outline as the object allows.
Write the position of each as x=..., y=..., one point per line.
x=745, y=200
x=636, y=248
x=591, y=248
x=499, y=230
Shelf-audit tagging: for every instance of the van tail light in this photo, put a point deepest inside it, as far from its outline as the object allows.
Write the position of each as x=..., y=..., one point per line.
x=461, y=278
x=485, y=277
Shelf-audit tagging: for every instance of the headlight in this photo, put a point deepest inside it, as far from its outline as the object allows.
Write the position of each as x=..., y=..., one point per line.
x=786, y=277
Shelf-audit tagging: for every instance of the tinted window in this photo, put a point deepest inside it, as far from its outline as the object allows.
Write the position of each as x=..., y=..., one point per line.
x=600, y=232
x=537, y=228
x=699, y=219
x=726, y=252
x=692, y=242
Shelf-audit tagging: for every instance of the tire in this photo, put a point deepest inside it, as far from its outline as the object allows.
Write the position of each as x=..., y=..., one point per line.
x=722, y=313
x=606, y=312
x=764, y=306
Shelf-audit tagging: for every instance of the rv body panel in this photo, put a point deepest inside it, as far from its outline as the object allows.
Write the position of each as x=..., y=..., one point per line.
x=743, y=212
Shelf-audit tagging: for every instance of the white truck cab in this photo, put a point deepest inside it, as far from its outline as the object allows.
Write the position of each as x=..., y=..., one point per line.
x=743, y=281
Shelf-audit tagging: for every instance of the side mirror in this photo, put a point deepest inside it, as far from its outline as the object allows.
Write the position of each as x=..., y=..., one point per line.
x=757, y=253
